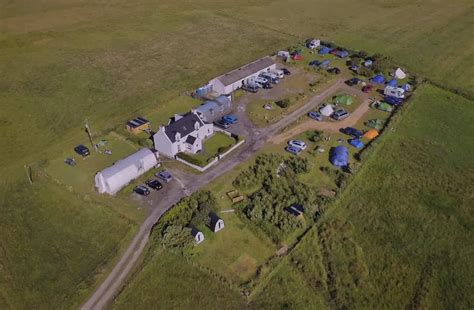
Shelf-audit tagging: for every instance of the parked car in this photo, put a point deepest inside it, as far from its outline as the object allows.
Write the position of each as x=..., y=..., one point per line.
x=367, y=88
x=315, y=115
x=334, y=70
x=340, y=114
x=155, y=184
x=314, y=63
x=286, y=71
x=353, y=81
x=82, y=150
x=70, y=161
x=165, y=176
x=351, y=131
x=251, y=88
x=232, y=119
x=393, y=100
x=141, y=190
x=222, y=124
x=271, y=77
x=293, y=150
x=297, y=143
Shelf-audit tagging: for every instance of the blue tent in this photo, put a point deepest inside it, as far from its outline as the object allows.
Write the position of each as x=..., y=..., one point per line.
x=339, y=156
x=342, y=54
x=378, y=79
x=406, y=87
x=392, y=83
x=356, y=143
x=325, y=63
x=324, y=50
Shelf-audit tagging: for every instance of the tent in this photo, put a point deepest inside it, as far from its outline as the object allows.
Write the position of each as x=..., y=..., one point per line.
x=327, y=110
x=339, y=156
x=406, y=87
x=323, y=50
x=368, y=63
x=284, y=54
x=383, y=106
x=371, y=134
x=342, y=54
x=356, y=143
x=392, y=83
x=343, y=99
x=297, y=57
x=399, y=74
x=374, y=123
x=378, y=79
x=324, y=63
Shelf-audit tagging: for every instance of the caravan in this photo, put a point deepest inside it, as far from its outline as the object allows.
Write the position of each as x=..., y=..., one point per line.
x=272, y=77
x=396, y=92
x=279, y=73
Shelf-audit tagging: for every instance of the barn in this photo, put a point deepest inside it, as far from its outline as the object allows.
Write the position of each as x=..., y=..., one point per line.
x=114, y=178
x=229, y=82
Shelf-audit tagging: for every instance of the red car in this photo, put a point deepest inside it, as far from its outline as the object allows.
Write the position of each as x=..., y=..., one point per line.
x=367, y=88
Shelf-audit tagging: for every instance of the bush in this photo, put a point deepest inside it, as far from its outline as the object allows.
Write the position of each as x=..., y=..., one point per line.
x=285, y=103
x=176, y=237
x=314, y=135
x=299, y=165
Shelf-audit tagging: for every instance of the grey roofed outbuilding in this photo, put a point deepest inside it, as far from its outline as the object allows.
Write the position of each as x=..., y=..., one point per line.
x=184, y=125
x=209, y=108
x=245, y=71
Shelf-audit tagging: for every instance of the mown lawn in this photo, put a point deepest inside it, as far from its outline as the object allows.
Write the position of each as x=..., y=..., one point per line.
x=404, y=225
x=211, y=146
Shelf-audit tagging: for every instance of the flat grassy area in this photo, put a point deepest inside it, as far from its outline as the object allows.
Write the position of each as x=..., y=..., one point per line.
x=170, y=282
x=55, y=245
x=404, y=224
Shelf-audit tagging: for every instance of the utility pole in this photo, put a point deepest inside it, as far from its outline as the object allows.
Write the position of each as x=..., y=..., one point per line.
x=90, y=135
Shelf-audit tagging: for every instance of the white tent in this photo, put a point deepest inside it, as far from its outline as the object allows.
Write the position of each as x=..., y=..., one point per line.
x=399, y=74
x=327, y=110
x=112, y=179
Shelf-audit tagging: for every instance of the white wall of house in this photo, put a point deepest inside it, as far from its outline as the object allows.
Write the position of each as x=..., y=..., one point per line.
x=164, y=145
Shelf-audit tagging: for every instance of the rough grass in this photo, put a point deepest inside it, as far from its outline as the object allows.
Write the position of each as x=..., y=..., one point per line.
x=168, y=281
x=404, y=225
x=52, y=251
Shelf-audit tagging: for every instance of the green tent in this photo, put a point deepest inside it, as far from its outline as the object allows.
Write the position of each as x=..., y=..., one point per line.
x=374, y=123
x=383, y=106
x=343, y=99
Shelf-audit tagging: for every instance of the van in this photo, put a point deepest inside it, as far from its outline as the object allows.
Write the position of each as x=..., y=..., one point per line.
x=273, y=78
x=279, y=73
x=396, y=92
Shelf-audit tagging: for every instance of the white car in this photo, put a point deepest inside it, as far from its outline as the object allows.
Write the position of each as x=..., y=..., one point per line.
x=297, y=143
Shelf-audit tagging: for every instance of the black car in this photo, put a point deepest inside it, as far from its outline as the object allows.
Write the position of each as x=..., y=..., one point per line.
x=82, y=150
x=222, y=124
x=334, y=70
x=353, y=81
x=141, y=190
x=286, y=71
x=155, y=184
x=267, y=86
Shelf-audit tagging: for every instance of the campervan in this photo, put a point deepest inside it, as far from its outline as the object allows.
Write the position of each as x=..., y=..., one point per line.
x=396, y=92
x=272, y=77
x=278, y=73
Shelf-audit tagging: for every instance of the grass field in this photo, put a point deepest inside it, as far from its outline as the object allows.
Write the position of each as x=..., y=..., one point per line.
x=171, y=282
x=404, y=225
x=65, y=61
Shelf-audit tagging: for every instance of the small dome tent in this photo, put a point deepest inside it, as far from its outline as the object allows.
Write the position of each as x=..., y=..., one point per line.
x=392, y=83
x=339, y=156
x=323, y=50
x=327, y=110
x=378, y=79
x=343, y=99
x=356, y=143
x=371, y=134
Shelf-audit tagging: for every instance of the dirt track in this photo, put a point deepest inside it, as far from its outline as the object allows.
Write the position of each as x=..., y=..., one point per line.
x=329, y=125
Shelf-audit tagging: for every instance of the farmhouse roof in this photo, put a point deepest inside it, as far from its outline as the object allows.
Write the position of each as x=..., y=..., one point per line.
x=184, y=126
x=246, y=70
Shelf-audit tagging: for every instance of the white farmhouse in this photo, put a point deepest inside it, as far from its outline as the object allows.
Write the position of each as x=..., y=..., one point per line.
x=184, y=133
x=114, y=178
x=229, y=82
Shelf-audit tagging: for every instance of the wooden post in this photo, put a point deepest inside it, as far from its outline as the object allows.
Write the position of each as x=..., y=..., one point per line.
x=28, y=174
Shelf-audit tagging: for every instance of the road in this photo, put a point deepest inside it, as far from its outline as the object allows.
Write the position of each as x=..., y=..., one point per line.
x=189, y=183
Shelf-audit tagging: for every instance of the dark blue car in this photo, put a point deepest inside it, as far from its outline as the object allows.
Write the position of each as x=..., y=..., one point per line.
x=351, y=131
x=393, y=100
x=232, y=119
